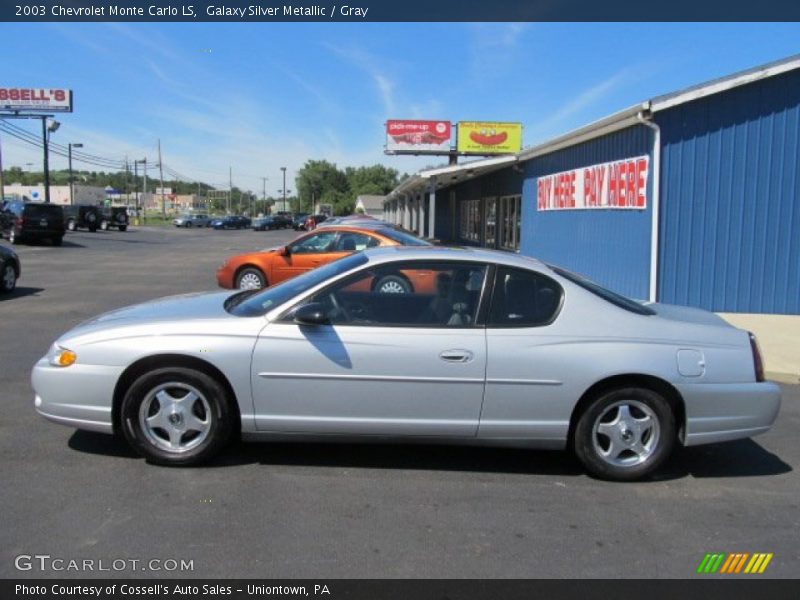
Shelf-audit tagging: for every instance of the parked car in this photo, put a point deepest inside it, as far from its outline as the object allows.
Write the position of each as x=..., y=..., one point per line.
x=231, y=222
x=114, y=216
x=284, y=219
x=82, y=216
x=192, y=220
x=265, y=224
x=515, y=352
x=10, y=269
x=299, y=221
x=255, y=270
x=28, y=221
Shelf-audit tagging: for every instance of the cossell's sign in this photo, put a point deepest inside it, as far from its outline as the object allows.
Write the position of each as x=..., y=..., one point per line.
x=417, y=137
x=489, y=137
x=36, y=99
x=619, y=184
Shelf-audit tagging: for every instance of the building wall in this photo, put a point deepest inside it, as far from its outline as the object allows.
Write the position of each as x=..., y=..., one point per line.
x=610, y=246
x=730, y=218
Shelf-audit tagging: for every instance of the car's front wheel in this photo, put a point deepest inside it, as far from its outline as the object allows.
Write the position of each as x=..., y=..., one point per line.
x=250, y=278
x=9, y=277
x=177, y=416
x=393, y=284
x=625, y=434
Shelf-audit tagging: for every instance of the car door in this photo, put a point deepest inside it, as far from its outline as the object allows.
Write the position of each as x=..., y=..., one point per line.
x=384, y=364
x=305, y=254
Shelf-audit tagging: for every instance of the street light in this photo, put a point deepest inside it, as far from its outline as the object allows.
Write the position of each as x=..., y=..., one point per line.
x=48, y=126
x=71, y=189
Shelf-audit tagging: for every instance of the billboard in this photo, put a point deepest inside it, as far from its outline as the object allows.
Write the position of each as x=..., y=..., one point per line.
x=417, y=137
x=618, y=184
x=489, y=137
x=36, y=99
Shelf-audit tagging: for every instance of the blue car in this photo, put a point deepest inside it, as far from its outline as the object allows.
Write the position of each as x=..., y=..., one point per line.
x=231, y=222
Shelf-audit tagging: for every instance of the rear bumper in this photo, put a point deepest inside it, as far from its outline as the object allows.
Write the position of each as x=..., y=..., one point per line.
x=723, y=412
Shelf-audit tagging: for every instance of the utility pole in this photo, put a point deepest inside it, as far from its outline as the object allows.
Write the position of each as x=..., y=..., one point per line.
x=136, y=187
x=264, y=194
x=46, y=137
x=70, y=146
x=144, y=193
x=161, y=177
x=284, y=187
x=230, y=189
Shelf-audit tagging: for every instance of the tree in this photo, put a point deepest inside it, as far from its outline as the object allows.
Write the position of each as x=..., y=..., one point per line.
x=377, y=179
x=318, y=179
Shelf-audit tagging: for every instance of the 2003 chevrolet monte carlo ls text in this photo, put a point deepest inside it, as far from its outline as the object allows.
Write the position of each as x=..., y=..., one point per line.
x=501, y=350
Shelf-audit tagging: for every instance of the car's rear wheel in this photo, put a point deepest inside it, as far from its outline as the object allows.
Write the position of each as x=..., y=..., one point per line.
x=71, y=225
x=123, y=227
x=625, y=434
x=250, y=278
x=8, y=281
x=177, y=416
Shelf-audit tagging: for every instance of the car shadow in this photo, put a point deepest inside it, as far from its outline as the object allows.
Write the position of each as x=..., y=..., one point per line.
x=90, y=442
x=742, y=458
x=21, y=292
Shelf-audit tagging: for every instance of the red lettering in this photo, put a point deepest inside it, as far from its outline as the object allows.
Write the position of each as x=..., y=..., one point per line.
x=630, y=194
x=588, y=187
x=601, y=177
x=641, y=180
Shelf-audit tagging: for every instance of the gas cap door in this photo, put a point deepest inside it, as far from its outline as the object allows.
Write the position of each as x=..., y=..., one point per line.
x=691, y=363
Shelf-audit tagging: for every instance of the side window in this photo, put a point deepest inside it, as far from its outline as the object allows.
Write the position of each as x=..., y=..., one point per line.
x=317, y=243
x=354, y=242
x=412, y=294
x=524, y=299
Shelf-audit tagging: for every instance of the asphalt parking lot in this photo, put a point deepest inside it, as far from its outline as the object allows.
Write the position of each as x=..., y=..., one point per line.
x=339, y=511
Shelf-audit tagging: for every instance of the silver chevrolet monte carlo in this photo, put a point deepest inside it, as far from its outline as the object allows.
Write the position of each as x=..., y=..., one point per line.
x=485, y=348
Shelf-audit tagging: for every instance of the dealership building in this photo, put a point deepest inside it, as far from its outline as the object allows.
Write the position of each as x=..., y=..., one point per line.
x=689, y=198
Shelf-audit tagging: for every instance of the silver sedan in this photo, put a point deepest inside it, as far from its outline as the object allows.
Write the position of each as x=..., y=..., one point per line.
x=481, y=347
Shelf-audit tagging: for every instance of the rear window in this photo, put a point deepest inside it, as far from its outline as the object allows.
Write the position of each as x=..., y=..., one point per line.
x=43, y=210
x=405, y=239
x=606, y=294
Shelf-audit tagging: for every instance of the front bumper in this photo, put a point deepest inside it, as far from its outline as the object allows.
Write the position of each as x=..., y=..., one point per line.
x=723, y=412
x=79, y=396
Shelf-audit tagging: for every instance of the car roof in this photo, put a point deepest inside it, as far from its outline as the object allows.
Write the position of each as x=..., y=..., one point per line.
x=460, y=253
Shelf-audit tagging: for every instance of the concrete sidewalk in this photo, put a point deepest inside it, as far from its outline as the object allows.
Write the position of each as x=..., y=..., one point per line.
x=779, y=339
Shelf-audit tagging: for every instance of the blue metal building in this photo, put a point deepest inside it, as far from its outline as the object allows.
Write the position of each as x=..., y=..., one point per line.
x=689, y=198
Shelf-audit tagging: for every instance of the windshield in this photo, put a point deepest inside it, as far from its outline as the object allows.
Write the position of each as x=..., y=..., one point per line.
x=405, y=239
x=606, y=294
x=247, y=304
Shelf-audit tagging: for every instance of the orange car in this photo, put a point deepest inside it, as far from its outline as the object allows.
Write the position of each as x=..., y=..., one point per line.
x=256, y=270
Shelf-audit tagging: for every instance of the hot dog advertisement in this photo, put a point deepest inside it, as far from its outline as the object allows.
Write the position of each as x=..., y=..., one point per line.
x=489, y=137
x=417, y=137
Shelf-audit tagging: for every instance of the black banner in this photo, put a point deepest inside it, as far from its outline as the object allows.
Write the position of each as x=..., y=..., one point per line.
x=733, y=588
x=409, y=10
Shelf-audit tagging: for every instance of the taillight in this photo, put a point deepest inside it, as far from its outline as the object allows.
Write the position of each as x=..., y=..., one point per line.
x=758, y=363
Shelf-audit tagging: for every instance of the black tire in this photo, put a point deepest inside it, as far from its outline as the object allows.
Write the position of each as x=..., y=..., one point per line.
x=123, y=227
x=93, y=228
x=57, y=241
x=71, y=225
x=218, y=414
x=628, y=465
x=7, y=283
x=393, y=284
x=250, y=274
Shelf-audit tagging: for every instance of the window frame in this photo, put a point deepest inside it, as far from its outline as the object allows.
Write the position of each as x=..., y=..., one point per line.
x=286, y=317
x=493, y=295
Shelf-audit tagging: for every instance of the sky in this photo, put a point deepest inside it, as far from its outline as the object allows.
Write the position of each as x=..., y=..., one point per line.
x=260, y=96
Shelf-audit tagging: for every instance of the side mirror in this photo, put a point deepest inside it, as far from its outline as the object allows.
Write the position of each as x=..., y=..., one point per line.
x=311, y=314
x=285, y=251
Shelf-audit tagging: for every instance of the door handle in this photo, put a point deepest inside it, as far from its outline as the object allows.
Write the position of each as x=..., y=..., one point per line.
x=457, y=356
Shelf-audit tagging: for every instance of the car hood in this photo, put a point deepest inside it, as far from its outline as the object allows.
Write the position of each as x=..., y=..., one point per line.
x=175, y=309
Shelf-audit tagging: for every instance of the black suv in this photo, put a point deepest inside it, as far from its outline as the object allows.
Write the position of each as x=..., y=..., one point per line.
x=114, y=216
x=82, y=216
x=24, y=221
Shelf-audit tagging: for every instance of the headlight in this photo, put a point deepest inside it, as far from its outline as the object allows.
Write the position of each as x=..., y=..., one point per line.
x=61, y=357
